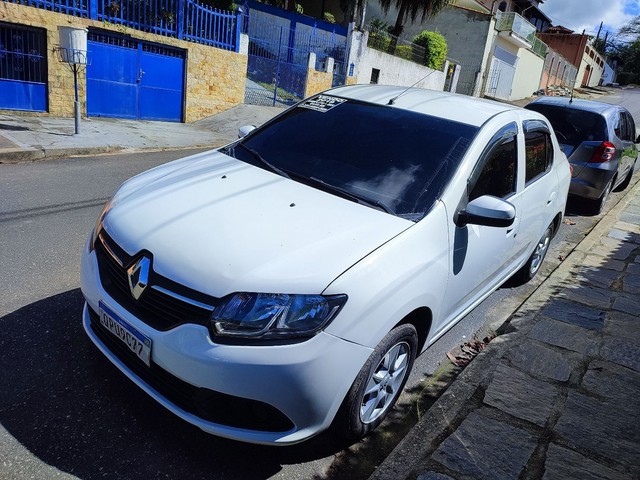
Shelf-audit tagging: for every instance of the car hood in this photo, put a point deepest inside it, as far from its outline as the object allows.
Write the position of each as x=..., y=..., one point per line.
x=219, y=225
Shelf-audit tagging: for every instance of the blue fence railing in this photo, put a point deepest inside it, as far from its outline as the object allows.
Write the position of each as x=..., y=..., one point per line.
x=182, y=19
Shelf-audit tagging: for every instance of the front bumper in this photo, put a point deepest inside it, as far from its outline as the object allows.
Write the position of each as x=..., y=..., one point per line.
x=305, y=381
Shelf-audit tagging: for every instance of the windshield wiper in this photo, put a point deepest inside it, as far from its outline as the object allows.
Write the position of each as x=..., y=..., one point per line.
x=266, y=163
x=352, y=196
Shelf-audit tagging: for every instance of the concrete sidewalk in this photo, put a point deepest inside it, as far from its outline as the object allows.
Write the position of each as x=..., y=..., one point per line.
x=25, y=138
x=557, y=395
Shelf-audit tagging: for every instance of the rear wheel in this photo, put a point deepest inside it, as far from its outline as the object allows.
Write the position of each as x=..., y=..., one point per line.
x=529, y=270
x=627, y=180
x=598, y=204
x=378, y=384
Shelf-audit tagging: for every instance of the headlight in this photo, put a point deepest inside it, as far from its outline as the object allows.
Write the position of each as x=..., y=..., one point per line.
x=98, y=227
x=272, y=316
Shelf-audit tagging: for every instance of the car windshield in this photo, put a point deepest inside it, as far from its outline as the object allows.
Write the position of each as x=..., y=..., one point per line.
x=388, y=158
x=573, y=126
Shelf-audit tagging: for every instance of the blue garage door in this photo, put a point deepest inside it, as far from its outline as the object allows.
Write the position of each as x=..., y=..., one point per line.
x=23, y=68
x=127, y=78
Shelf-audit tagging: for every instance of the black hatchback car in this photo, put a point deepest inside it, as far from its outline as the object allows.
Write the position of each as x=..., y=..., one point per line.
x=599, y=140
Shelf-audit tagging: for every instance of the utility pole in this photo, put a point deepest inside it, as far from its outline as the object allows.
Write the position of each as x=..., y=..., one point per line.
x=599, y=30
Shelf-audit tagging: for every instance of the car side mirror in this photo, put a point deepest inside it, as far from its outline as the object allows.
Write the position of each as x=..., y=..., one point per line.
x=637, y=139
x=487, y=210
x=246, y=130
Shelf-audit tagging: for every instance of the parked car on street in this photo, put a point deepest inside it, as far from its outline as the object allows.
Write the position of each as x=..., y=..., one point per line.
x=599, y=140
x=285, y=283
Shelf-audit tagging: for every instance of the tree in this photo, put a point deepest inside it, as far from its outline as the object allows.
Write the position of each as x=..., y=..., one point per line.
x=632, y=28
x=354, y=11
x=410, y=9
x=627, y=50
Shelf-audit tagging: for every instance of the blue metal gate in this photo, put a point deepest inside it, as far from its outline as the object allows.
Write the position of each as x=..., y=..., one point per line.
x=128, y=78
x=276, y=74
x=279, y=46
x=23, y=68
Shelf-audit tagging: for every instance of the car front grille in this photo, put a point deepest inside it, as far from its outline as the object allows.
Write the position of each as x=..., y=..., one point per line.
x=163, y=305
x=205, y=403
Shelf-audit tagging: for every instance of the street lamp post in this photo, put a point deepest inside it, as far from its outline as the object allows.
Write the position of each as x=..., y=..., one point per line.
x=73, y=52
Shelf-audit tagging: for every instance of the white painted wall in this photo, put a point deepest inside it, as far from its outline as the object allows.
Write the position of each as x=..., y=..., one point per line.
x=528, y=74
x=393, y=70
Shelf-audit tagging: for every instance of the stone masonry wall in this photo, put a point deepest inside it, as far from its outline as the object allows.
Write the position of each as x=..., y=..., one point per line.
x=215, y=77
x=317, y=82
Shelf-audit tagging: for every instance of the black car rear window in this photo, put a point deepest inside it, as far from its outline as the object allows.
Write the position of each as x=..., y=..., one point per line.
x=573, y=126
x=399, y=159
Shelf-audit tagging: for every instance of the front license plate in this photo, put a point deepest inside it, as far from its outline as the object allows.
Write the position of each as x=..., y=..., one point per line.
x=136, y=341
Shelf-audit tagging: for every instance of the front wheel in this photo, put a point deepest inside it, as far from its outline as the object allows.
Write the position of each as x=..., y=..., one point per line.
x=529, y=270
x=378, y=384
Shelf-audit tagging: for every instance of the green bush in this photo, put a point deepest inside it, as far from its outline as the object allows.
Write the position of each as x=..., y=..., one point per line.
x=627, y=78
x=404, y=51
x=435, y=46
x=379, y=41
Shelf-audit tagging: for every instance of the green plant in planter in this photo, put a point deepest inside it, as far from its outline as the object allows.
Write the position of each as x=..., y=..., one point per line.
x=329, y=17
x=379, y=41
x=404, y=51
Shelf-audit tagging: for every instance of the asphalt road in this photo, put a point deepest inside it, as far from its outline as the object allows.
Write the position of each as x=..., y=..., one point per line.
x=66, y=412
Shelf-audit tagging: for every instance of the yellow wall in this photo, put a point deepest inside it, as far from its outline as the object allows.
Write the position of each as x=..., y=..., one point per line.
x=215, y=78
x=317, y=82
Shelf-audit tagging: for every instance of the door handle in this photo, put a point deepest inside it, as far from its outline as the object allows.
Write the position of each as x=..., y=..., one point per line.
x=552, y=198
x=140, y=75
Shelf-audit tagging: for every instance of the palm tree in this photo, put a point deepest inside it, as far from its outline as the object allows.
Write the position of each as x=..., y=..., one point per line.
x=354, y=10
x=409, y=9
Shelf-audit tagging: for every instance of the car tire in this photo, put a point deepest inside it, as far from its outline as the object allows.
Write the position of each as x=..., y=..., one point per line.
x=532, y=267
x=378, y=384
x=599, y=203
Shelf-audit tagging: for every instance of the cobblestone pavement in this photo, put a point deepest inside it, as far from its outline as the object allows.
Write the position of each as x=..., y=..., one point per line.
x=557, y=396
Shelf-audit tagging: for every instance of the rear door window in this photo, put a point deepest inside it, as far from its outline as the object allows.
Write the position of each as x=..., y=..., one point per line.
x=631, y=127
x=538, y=155
x=620, y=127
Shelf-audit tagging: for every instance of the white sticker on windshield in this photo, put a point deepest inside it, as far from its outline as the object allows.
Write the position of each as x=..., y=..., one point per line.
x=322, y=103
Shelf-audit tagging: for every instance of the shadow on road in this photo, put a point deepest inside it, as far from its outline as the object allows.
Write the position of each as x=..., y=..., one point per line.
x=65, y=403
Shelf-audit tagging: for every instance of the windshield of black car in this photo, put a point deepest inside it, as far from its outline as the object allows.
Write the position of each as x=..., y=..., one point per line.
x=573, y=126
x=395, y=158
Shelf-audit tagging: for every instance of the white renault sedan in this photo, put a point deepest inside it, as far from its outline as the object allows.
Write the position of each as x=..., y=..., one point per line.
x=285, y=283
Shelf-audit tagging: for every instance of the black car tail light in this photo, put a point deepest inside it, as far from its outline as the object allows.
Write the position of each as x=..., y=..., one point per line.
x=603, y=153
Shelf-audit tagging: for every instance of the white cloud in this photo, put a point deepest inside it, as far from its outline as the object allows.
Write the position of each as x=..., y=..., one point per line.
x=587, y=14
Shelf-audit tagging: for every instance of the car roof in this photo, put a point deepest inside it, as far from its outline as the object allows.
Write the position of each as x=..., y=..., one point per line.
x=578, y=104
x=460, y=108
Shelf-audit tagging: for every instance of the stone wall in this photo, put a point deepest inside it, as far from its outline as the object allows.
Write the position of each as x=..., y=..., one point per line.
x=215, y=77
x=318, y=81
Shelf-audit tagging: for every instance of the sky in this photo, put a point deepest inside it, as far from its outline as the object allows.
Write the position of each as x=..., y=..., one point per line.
x=587, y=14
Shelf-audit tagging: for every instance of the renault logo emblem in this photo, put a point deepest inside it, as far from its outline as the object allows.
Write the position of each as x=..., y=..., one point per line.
x=138, y=275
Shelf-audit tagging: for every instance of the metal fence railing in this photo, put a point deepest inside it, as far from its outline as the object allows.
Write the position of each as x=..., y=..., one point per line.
x=383, y=41
x=182, y=19
x=512, y=22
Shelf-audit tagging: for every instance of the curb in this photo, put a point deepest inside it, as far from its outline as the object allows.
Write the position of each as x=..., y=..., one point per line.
x=20, y=155
x=448, y=412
